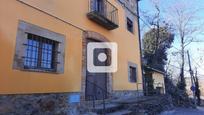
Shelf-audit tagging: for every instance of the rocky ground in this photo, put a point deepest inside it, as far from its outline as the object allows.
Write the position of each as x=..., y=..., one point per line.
x=185, y=111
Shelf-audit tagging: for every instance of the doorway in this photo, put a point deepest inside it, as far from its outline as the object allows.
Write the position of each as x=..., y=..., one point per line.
x=96, y=83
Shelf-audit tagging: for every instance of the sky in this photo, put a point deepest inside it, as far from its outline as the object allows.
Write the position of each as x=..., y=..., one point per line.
x=196, y=49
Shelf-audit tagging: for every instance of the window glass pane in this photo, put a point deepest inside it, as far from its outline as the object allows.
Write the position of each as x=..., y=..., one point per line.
x=47, y=52
x=39, y=53
x=31, y=54
x=98, y=5
x=129, y=25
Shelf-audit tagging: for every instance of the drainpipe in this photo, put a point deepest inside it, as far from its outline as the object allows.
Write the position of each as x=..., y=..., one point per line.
x=140, y=45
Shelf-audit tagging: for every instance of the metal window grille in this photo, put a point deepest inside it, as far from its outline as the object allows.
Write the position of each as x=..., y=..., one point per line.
x=41, y=53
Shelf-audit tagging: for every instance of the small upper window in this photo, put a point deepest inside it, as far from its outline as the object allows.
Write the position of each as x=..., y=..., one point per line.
x=132, y=74
x=40, y=53
x=129, y=25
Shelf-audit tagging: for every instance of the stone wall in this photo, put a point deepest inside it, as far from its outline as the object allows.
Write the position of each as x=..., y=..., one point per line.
x=52, y=104
x=37, y=104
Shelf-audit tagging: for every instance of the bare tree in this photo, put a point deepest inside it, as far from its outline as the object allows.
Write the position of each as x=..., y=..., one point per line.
x=184, y=20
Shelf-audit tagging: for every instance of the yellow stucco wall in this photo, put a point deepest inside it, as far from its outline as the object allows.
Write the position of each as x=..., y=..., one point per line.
x=73, y=11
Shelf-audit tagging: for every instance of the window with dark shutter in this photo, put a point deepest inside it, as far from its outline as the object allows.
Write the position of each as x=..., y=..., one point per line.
x=132, y=74
x=129, y=25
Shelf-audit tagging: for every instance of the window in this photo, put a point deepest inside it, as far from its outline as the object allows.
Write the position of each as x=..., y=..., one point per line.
x=41, y=53
x=129, y=25
x=132, y=75
x=38, y=49
x=98, y=6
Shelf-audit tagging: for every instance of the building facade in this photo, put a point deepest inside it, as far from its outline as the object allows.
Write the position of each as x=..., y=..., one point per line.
x=43, y=46
x=154, y=81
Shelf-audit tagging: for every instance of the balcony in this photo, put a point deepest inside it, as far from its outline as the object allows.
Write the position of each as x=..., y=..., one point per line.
x=103, y=13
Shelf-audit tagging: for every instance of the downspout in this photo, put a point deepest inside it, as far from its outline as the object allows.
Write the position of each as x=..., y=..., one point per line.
x=140, y=45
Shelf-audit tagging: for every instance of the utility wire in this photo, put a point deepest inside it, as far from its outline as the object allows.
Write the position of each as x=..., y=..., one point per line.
x=52, y=15
x=144, y=22
x=197, y=63
x=135, y=14
x=69, y=23
x=184, y=70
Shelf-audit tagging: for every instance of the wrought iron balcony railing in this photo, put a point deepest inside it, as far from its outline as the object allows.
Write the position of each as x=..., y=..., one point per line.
x=103, y=13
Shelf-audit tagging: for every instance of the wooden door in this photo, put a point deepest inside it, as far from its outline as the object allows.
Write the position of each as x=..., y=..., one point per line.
x=96, y=86
x=96, y=83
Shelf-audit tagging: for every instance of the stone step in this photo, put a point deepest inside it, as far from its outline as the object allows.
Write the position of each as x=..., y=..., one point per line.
x=133, y=100
x=121, y=112
x=109, y=108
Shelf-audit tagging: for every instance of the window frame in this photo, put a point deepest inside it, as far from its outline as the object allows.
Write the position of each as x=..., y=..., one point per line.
x=21, y=40
x=134, y=66
x=130, y=22
x=133, y=77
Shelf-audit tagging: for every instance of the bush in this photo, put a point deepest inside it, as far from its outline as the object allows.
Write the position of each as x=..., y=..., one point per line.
x=179, y=97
